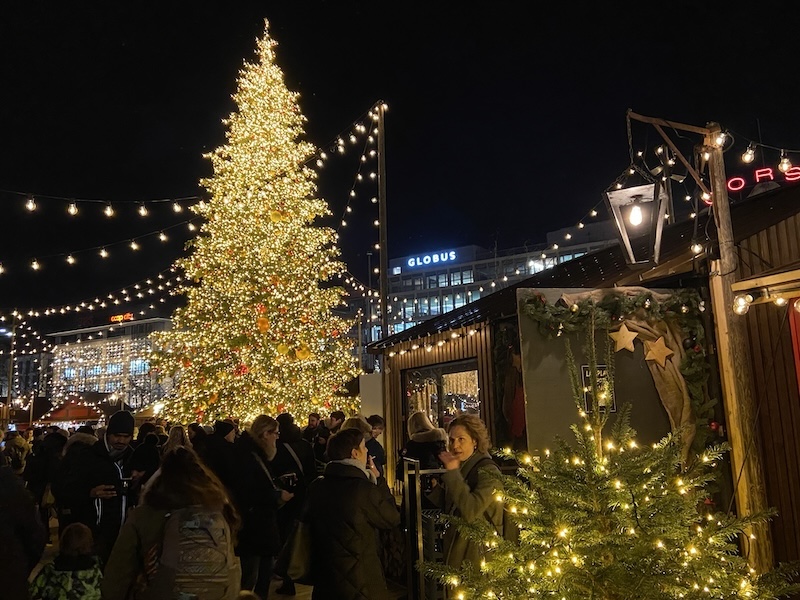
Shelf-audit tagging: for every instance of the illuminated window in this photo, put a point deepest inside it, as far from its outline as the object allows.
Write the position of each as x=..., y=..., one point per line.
x=69, y=373
x=139, y=366
x=455, y=278
x=447, y=302
x=433, y=282
x=466, y=276
x=443, y=280
x=435, y=306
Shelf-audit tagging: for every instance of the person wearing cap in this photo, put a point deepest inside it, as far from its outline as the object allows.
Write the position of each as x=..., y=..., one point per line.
x=96, y=482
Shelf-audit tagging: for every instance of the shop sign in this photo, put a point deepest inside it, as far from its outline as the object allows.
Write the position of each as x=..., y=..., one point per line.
x=738, y=183
x=432, y=259
x=121, y=318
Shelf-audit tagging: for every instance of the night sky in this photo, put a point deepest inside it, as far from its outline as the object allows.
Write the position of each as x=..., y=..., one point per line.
x=506, y=119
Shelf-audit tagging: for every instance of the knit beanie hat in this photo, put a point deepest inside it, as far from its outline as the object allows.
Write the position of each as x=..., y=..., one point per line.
x=146, y=457
x=222, y=428
x=121, y=422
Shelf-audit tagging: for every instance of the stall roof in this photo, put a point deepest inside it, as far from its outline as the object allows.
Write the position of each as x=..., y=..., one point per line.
x=607, y=267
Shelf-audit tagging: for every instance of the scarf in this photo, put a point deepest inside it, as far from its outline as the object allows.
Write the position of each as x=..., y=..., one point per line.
x=361, y=466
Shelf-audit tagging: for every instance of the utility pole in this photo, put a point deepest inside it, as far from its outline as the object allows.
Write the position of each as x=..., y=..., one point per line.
x=732, y=345
x=383, y=303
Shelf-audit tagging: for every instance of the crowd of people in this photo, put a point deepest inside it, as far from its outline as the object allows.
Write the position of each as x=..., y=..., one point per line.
x=202, y=512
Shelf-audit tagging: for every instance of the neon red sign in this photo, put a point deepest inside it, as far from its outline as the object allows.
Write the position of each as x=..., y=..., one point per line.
x=736, y=184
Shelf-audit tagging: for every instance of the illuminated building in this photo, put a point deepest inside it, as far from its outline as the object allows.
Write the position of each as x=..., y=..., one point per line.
x=109, y=359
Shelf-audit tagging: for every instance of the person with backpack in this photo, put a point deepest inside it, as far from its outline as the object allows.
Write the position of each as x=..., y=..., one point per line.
x=469, y=487
x=179, y=542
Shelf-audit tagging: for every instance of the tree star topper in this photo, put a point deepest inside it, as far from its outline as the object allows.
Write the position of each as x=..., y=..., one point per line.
x=658, y=351
x=623, y=338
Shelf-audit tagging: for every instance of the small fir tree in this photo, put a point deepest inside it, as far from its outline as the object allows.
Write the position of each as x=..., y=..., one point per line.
x=608, y=519
x=257, y=333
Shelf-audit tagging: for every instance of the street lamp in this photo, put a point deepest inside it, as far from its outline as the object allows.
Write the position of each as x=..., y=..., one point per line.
x=639, y=211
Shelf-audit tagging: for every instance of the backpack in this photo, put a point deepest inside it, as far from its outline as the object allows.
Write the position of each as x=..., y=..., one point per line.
x=197, y=560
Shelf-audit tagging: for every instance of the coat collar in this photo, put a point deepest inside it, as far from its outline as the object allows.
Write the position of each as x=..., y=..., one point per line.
x=337, y=469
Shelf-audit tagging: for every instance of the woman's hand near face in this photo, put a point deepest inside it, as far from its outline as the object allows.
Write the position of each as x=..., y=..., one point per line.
x=449, y=461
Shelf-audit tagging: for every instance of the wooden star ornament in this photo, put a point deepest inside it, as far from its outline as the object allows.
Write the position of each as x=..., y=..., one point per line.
x=658, y=351
x=623, y=338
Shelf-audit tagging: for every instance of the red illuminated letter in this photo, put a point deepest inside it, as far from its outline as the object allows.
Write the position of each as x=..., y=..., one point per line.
x=764, y=174
x=736, y=183
x=792, y=174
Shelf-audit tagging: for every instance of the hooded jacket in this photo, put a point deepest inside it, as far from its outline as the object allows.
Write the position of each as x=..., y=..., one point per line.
x=344, y=510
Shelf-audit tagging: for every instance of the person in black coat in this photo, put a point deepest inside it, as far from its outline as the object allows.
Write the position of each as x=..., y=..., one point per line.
x=22, y=536
x=94, y=482
x=295, y=468
x=41, y=469
x=258, y=499
x=345, y=508
x=218, y=454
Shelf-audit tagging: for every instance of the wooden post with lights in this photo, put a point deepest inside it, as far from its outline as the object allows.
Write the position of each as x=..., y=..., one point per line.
x=732, y=347
x=384, y=257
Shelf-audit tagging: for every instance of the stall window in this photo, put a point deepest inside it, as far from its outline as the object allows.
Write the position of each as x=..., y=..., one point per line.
x=443, y=391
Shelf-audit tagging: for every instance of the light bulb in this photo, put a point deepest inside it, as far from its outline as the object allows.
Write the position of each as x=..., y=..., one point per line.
x=72, y=209
x=176, y=207
x=192, y=227
x=103, y=252
x=162, y=236
x=635, y=216
x=35, y=265
x=2, y=269
x=134, y=245
x=697, y=248
x=109, y=210
x=749, y=154
x=30, y=204
x=740, y=309
x=721, y=137
x=71, y=259
x=143, y=210
x=785, y=163
x=780, y=301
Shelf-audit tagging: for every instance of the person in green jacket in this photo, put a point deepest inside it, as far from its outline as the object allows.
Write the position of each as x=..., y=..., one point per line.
x=75, y=574
x=469, y=486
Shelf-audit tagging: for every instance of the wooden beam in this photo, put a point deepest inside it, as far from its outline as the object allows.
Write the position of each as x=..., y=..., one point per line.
x=670, y=124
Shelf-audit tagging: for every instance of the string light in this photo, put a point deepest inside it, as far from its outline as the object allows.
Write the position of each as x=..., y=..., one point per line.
x=142, y=210
x=109, y=210
x=30, y=204
x=785, y=164
x=749, y=154
x=72, y=209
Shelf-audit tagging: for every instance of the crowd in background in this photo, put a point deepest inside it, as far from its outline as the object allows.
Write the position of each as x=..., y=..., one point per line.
x=150, y=511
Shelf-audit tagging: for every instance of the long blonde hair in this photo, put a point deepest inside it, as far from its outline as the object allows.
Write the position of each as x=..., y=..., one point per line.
x=177, y=437
x=419, y=422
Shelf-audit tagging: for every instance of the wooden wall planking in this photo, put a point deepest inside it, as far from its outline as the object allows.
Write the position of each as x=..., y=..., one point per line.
x=775, y=383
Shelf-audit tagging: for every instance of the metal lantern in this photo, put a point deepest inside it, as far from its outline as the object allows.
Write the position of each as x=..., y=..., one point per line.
x=639, y=213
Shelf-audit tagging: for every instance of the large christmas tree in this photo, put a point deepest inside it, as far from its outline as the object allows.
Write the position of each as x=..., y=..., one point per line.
x=257, y=333
x=608, y=519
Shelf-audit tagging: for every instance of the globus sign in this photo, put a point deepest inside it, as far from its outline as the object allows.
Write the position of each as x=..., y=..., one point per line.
x=738, y=183
x=432, y=259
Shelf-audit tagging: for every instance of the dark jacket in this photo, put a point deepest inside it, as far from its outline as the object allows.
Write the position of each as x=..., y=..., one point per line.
x=284, y=464
x=344, y=510
x=424, y=446
x=22, y=536
x=378, y=455
x=257, y=499
x=219, y=455
x=42, y=465
x=82, y=469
